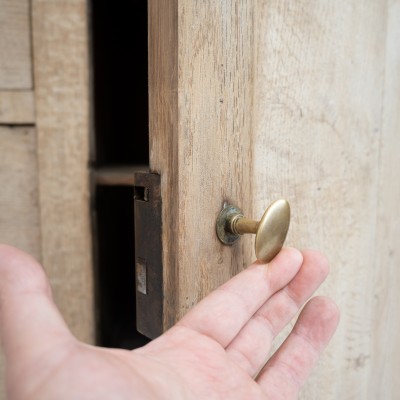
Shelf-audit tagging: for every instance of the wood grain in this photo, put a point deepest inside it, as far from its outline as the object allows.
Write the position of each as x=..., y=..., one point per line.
x=318, y=126
x=163, y=127
x=19, y=208
x=61, y=95
x=15, y=51
x=256, y=100
x=17, y=107
x=200, y=64
x=383, y=382
x=19, y=216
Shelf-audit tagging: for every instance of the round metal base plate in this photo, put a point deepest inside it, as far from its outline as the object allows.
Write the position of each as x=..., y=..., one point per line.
x=226, y=214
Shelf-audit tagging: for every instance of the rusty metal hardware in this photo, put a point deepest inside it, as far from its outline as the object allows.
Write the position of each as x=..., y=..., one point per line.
x=148, y=254
x=270, y=231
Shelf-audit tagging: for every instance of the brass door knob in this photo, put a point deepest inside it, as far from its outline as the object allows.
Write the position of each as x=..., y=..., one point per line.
x=270, y=231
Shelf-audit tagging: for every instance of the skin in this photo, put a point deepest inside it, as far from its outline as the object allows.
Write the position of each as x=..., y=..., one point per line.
x=219, y=350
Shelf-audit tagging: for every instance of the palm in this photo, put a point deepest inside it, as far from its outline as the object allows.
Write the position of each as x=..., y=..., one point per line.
x=204, y=364
x=218, y=350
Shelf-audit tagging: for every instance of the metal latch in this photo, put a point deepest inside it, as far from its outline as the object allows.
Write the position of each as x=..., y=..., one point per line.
x=148, y=254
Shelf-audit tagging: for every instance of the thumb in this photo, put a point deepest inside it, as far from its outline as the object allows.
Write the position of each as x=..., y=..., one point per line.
x=30, y=323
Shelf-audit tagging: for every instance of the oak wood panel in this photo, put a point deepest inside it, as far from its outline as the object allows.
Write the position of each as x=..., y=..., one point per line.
x=15, y=51
x=17, y=107
x=308, y=102
x=383, y=379
x=61, y=96
x=200, y=65
x=19, y=216
x=163, y=136
x=19, y=208
x=318, y=123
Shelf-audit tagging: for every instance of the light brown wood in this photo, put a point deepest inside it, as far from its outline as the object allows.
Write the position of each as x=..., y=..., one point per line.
x=17, y=107
x=117, y=175
x=383, y=381
x=317, y=127
x=15, y=51
x=61, y=96
x=19, y=208
x=204, y=70
x=163, y=121
x=19, y=216
x=251, y=101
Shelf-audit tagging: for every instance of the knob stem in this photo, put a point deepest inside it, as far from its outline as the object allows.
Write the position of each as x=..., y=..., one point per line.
x=241, y=225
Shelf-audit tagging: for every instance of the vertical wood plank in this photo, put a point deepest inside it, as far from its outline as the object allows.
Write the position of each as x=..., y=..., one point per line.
x=200, y=64
x=19, y=216
x=61, y=93
x=15, y=49
x=17, y=107
x=215, y=134
x=19, y=208
x=384, y=380
x=317, y=118
x=308, y=100
x=163, y=129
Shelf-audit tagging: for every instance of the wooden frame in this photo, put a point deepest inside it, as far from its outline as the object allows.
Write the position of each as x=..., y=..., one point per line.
x=61, y=68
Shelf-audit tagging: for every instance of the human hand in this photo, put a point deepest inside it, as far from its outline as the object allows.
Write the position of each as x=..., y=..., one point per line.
x=218, y=350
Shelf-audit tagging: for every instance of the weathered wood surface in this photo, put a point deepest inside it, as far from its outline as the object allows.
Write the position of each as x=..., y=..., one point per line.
x=203, y=151
x=19, y=208
x=384, y=356
x=62, y=117
x=15, y=51
x=250, y=101
x=19, y=216
x=44, y=200
x=164, y=126
x=318, y=124
x=255, y=100
x=17, y=107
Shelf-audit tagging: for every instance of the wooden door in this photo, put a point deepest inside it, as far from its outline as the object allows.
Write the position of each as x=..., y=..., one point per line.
x=254, y=100
x=44, y=124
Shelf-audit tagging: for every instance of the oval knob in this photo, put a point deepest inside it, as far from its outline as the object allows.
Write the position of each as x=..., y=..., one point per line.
x=270, y=231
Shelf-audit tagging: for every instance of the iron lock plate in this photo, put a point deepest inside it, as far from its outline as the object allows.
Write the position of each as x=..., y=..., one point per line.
x=148, y=254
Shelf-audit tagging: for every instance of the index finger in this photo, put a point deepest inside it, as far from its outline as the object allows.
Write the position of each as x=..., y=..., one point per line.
x=223, y=313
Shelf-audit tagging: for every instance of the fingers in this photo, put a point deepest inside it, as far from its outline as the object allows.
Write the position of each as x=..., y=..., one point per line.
x=287, y=371
x=223, y=313
x=251, y=347
x=29, y=321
